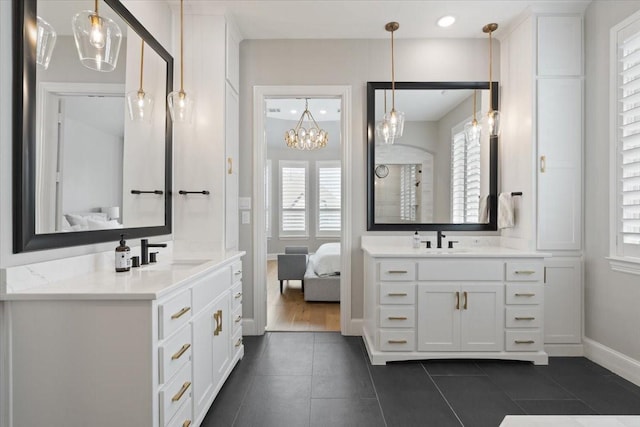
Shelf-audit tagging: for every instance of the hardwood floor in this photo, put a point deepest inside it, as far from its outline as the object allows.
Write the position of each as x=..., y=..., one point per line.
x=290, y=312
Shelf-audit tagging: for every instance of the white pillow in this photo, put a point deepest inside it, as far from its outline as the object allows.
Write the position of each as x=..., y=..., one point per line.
x=102, y=225
x=80, y=218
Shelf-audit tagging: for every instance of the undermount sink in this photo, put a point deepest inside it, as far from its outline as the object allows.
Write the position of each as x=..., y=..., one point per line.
x=176, y=264
x=445, y=251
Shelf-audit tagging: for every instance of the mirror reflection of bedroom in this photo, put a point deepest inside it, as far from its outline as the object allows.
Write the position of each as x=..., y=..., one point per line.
x=303, y=205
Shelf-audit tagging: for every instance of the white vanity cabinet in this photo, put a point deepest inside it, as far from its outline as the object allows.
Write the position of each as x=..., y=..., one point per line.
x=484, y=305
x=147, y=348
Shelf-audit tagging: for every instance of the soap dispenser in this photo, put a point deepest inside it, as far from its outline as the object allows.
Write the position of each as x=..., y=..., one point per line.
x=416, y=240
x=123, y=256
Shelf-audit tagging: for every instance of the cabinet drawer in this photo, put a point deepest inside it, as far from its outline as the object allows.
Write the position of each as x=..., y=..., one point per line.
x=523, y=317
x=236, y=296
x=209, y=287
x=184, y=417
x=174, y=313
x=236, y=319
x=396, y=270
x=401, y=340
x=174, y=353
x=524, y=340
x=397, y=293
x=175, y=394
x=523, y=293
x=397, y=317
x=236, y=271
x=448, y=269
x=524, y=271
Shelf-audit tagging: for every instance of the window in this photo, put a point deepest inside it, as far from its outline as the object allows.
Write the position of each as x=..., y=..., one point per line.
x=465, y=177
x=268, y=193
x=329, y=198
x=293, y=198
x=626, y=139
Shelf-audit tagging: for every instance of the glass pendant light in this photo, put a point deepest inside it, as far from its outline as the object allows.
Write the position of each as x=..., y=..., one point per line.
x=394, y=119
x=472, y=129
x=140, y=103
x=493, y=116
x=306, y=139
x=97, y=39
x=45, y=42
x=181, y=105
x=382, y=127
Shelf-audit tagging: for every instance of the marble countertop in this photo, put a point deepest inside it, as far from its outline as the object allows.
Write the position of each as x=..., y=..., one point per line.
x=150, y=281
x=380, y=249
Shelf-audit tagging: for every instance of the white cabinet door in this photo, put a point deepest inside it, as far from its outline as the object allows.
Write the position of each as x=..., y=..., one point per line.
x=559, y=164
x=439, y=317
x=563, y=301
x=482, y=319
x=221, y=338
x=203, y=326
x=560, y=45
x=232, y=129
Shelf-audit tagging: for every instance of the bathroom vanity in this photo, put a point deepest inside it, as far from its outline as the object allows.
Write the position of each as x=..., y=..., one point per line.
x=482, y=302
x=150, y=347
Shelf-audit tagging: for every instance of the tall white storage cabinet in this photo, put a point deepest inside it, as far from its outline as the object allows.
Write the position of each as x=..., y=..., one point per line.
x=232, y=134
x=554, y=141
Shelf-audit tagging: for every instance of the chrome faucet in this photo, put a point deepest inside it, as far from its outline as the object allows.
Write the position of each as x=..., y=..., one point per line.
x=144, y=249
x=440, y=236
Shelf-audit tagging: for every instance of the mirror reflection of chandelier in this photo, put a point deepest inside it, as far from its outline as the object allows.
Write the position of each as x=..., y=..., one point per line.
x=310, y=138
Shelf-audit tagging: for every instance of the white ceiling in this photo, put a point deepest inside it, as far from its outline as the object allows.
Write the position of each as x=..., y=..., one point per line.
x=360, y=19
x=322, y=109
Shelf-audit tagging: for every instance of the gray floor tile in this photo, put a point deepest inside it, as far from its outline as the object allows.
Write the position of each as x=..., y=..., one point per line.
x=286, y=358
x=601, y=393
x=452, y=367
x=626, y=384
x=476, y=400
x=571, y=366
x=555, y=407
x=346, y=412
x=522, y=381
x=342, y=386
x=227, y=404
x=330, y=337
x=335, y=358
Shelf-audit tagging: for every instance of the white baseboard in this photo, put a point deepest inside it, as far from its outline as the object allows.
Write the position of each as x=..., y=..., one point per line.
x=249, y=327
x=613, y=360
x=564, y=350
x=272, y=257
x=354, y=328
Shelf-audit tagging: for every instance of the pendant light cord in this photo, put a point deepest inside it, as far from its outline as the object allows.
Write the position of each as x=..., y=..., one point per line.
x=96, y=6
x=181, y=46
x=490, y=73
x=393, y=78
x=141, y=65
x=475, y=92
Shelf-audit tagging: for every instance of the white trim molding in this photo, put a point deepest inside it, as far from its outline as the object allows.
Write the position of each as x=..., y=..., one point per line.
x=613, y=360
x=624, y=265
x=260, y=93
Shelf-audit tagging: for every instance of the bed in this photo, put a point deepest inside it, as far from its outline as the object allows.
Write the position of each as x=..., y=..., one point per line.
x=322, y=278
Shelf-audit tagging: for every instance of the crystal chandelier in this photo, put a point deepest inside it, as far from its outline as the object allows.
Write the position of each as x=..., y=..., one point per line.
x=97, y=39
x=306, y=139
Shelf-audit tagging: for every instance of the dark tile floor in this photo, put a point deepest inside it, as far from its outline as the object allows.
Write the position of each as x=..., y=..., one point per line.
x=325, y=379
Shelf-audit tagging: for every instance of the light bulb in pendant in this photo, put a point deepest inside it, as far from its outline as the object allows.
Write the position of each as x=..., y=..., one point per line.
x=472, y=130
x=96, y=35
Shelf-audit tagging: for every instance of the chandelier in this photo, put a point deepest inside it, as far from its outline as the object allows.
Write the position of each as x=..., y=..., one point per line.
x=303, y=138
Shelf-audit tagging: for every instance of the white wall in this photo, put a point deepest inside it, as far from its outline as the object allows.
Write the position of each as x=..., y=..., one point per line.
x=345, y=62
x=612, y=317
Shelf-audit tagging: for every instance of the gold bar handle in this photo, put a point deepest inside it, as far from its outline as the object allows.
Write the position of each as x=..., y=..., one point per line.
x=238, y=295
x=216, y=317
x=239, y=342
x=230, y=162
x=180, y=352
x=525, y=318
x=186, y=423
x=397, y=318
x=524, y=272
x=397, y=271
x=397, y=341
x=525, y=294
x=397, y=294
x=543, y=164
x=184, y=388
x=466, y=300
x=180, y=313
x=219, y=328
x=524, y=341
x=239, y=318
x=457, y=300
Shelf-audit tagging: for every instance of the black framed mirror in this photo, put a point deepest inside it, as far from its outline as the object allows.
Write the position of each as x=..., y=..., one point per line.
x=110, y=183
x=436, y=177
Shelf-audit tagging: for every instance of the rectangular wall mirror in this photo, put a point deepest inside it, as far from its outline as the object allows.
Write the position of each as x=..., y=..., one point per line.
x=434, y=177
x=84, y=171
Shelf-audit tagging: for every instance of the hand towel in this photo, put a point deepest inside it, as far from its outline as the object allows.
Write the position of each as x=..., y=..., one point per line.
x=483, y=211
x=506, y=214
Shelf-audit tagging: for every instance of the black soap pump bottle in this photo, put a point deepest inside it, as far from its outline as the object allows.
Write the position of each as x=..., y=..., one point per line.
x=123, y=256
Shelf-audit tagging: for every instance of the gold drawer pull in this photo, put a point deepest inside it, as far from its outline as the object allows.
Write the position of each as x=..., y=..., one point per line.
x=397, y=318
x=457, y=300
x=526, y=294
x=239, y=318
x=239, y=342
x=397, y=271
x=187, y=423
x=238, y=295
x=525, y=318
x=525, y=272
x=217, y=316
x=180, y=352
x=466, y=300
x=184, y=388
x=397, y=294
x=180, y=313
x=524, y=341
x=397, y=341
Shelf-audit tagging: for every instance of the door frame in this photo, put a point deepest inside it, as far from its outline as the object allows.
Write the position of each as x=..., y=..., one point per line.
x=260, y=93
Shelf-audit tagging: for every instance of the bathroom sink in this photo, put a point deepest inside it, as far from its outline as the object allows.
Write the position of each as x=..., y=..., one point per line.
x=445, y=251
x=176, y=264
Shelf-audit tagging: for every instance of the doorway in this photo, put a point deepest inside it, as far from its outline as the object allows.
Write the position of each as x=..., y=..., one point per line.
x=265, y=222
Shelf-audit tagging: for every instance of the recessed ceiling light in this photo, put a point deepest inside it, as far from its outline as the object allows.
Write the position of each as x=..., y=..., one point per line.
x=446, y=21
x=323, y=111
x=294, y=111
